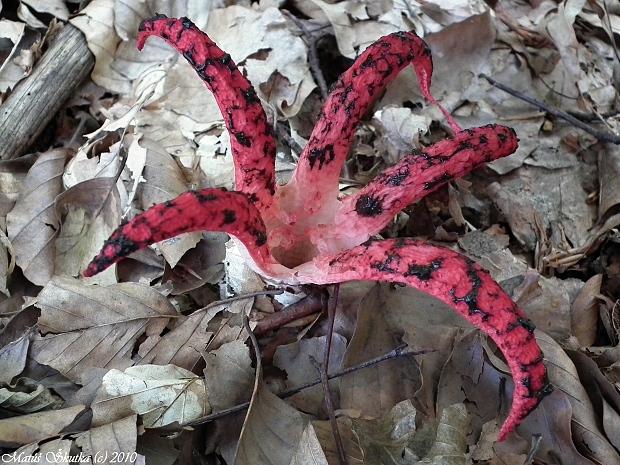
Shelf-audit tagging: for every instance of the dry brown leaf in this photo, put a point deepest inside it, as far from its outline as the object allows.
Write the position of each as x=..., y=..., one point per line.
x=325, y=435
x=450, y=445
x=585, y=312
x=13, y=358
x=111, y=443
x=181, y=346
x=376, y=389
x=114, y=440
x=309, y=451
x=163, y=181
x=25, y=429
x=161, y=395
x=460, y=53
x=229, y=375
x=466, y=378
x=271, y=431
x=91, y=211
x=553, y=200
x=297, y=360
x=603, y=394
x=99, y=324
x=609, y=175
x=32, y=224
x=384, y=440
x=425, y=322
x=281, y=77
x=56, y=8
x=585, y=424
x=10, y=71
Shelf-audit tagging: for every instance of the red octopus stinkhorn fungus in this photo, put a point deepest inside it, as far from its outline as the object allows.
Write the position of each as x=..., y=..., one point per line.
x=303, y=233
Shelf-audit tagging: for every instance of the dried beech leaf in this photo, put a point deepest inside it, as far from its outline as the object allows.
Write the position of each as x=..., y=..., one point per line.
x=10, y=72
x=450, y=446
x=325, y=435
x=378, y=388
x=585, y=425
x=384, y=440
x=13, y=358
x=163, y=181
x=609, y=172
x=308, y=451
x=116, y=439
x=97, y=23
x=296, y=359
x=585, y=311
x=182, y=346
x=271, y=431
x=99, y=324
x=91, y=213
x=425, y=323
x=25, y=429
x=229, y=375
x=32, y=224
x=282, y=75
x=611, y=423
x=161, y=395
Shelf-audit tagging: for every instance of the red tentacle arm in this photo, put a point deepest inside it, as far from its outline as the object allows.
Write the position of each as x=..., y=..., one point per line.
x=251, y=137
x=423, y=171
x=204, y=210
x=463, y=285
x=316, y=177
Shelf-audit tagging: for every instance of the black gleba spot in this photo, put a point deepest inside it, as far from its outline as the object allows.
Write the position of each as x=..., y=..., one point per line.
x=367, y=205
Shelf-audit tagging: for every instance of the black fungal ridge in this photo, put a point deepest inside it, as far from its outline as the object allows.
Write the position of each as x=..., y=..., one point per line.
x=423, y=273
x=323, y=156
x=525, y=323
x=471, y=298
x=384, y=266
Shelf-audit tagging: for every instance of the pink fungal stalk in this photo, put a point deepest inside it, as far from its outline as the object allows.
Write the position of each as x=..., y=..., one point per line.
x=303, y=233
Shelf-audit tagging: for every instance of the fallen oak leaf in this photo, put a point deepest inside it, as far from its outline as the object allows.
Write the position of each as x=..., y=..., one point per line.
x=302, y=233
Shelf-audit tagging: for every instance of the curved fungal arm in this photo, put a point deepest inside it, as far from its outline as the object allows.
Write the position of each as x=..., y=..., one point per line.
x=251, y=137
x=316, y=176
x=366, y=213
x=463, y=285
x=204, y=210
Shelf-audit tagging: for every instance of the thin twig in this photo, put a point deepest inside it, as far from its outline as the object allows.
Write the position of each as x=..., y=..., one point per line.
x=602, y=136
x=313, y=58
x=398, y=352
x=329, y=403
x=283, y=135
x=535, y=447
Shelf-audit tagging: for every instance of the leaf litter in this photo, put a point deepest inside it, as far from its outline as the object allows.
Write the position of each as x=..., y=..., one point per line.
x=538, y=208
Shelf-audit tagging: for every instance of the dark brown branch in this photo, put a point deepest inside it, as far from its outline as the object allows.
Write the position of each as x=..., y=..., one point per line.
x=313, y=303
